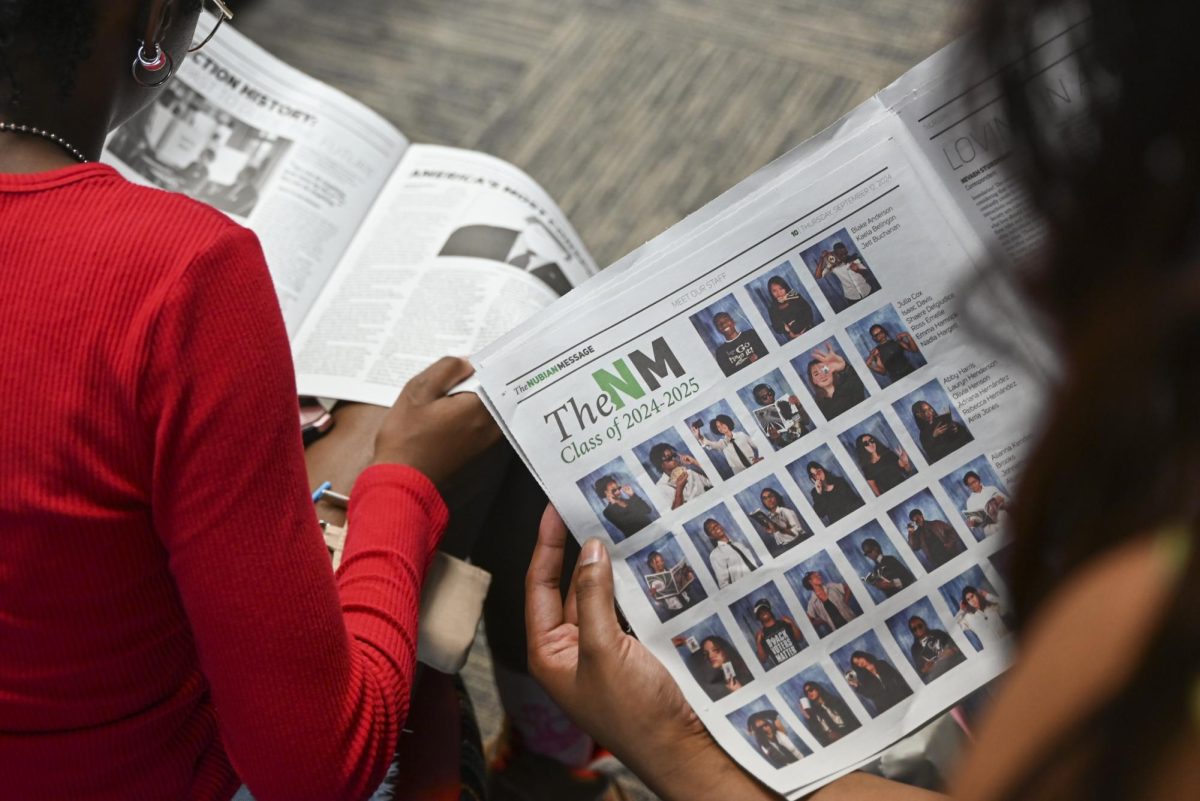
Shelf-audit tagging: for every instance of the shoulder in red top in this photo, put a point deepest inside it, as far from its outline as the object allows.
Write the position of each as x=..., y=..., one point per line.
x=166, y=603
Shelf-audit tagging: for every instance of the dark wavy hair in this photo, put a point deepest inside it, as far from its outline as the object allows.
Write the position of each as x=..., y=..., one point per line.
x=740, y=671
x=721, y=418
x=601, y=485
x=860, y=450
x=779, y=501
x=922, y=424
x=816, y=685
x=56, y=33
x=1119, y=192
x=984, y=603
x=775, y=280
x=657, y=452
x=873, y=661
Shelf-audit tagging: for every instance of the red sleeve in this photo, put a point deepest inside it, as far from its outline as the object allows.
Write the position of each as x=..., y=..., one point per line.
x=310, y=688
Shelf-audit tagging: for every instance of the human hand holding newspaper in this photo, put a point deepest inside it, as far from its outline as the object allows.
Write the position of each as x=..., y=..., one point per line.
x=607, y=681
x=433, y=430
x=611, y=685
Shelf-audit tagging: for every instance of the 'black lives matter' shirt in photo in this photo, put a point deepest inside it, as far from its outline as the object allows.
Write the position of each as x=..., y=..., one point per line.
x=779, y=643
x=739, y=352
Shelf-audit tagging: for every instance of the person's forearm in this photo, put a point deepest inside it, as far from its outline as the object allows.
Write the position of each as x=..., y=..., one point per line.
x=866, y=787
x=698, y=770
x=702, y=771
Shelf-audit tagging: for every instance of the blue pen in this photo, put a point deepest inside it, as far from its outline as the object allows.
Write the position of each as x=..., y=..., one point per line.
x=324, y=493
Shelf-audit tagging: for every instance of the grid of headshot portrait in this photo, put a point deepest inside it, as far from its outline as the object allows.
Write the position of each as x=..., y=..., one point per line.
x=879, y=668
x=811, y=317
x=764, y=624
x=821, y=539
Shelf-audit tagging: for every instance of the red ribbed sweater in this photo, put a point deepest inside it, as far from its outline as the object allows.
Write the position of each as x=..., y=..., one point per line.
x=168, y=617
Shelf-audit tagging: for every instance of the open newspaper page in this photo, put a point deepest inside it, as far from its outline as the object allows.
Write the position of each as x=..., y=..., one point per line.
x=459, y=248
x=380, y=265
x=801, y=458
x=965, y=137
x=293, y=159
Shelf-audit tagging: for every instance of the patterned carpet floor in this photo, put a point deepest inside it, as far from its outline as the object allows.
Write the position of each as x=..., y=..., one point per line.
x=631, y=113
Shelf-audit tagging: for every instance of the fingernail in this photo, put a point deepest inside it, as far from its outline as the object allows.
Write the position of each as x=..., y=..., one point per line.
x=591, y=552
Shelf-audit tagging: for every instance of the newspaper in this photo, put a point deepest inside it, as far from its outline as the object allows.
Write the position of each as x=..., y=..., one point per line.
x=385, y=255
x=799, y=455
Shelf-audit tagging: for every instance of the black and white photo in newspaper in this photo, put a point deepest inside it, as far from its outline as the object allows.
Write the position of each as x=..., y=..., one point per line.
x=294, y=160
x=385, y=256
x=458, y=249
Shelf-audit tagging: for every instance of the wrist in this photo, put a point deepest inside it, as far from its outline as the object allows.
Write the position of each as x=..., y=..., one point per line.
x=398, y=457
x=691, y=765
x=384, y=452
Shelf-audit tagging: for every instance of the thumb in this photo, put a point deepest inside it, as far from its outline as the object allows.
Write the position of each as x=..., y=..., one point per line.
x=440, y=377
x=598, y=627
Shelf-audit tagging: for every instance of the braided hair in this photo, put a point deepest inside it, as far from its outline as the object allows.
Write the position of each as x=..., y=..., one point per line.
x=57, y=32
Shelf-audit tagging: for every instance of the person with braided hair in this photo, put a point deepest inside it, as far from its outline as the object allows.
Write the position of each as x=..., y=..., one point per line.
x=170, y=623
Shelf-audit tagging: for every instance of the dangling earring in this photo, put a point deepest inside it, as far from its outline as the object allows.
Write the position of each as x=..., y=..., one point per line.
x=159, y=62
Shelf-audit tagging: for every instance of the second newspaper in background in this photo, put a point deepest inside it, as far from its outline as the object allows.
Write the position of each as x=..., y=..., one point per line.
x=385, y=255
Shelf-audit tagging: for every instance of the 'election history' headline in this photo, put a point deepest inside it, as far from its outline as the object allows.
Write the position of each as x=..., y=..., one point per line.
x=249, y=92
